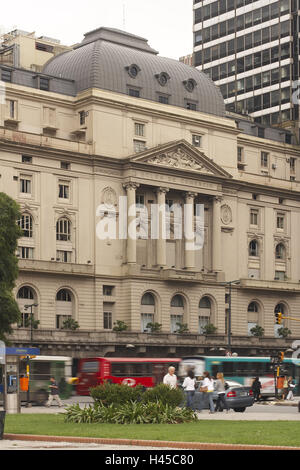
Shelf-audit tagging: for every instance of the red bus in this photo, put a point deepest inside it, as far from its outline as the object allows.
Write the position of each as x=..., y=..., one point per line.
x=122, y=370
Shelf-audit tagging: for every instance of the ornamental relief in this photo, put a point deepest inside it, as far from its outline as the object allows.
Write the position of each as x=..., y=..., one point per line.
x=109, y=197
x=226, y=214
x=178, y=159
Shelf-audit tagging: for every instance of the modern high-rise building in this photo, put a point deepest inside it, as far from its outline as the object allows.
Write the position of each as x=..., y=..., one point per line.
x=250, y=49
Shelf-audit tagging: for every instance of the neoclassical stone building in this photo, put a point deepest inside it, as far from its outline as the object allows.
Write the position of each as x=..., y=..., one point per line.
x=104, y=132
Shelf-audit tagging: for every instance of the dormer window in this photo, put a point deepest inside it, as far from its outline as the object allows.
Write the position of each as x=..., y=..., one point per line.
x=190, y=84
x=163, y=78
x=133, y=70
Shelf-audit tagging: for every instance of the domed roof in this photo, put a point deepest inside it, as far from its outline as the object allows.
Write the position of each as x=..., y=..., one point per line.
x=121, y=62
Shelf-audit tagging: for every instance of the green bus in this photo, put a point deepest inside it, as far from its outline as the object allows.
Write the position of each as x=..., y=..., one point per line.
x=243, y=370
x=41, y=368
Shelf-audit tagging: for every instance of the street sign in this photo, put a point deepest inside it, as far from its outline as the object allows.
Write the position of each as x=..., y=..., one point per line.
x=2, y=352
x=22, y=352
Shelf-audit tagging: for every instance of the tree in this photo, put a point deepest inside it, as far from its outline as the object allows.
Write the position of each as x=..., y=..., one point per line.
x=9, y=234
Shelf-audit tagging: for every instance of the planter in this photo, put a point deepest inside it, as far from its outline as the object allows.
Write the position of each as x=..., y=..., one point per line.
x=2, y=421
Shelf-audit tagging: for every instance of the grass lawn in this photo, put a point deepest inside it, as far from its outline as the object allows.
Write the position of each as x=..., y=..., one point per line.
x=284, y=433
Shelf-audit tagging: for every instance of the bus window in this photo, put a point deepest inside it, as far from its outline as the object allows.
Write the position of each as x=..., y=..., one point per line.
x=40, y=370
x=90, y=366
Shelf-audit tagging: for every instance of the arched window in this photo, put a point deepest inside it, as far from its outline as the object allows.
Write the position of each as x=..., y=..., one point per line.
x=204, y=314
x=253, y=248
x=25, y=224
x=280, y=251
x=26, y=296
x=253, y=316
x=147, y=311
x=63, y=230
x=280, y=308
x=64, y=307
x=177, y=312
x=177, y=301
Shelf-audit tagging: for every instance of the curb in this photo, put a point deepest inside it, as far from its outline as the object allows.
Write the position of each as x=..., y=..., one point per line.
x=144, y=443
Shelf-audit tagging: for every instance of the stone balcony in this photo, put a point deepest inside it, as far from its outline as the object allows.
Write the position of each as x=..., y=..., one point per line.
x=55, y=267
x=89, y=343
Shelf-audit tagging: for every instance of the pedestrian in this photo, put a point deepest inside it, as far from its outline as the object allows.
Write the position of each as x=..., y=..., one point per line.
x=53, y=394
x=170, y=379
x=220, y=388
x=256, y=387
x=189, y=385
x=285, y=388
x=207, y=388
x=291, y=386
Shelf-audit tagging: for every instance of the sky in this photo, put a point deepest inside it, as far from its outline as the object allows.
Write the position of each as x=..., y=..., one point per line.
x=167, y=24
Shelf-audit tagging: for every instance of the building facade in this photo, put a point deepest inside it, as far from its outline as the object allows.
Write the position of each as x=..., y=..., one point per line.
x=250, y=49
x=104, y=133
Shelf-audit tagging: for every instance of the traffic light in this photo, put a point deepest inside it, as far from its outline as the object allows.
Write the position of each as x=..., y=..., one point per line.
x=278, y=318
x=280, y=356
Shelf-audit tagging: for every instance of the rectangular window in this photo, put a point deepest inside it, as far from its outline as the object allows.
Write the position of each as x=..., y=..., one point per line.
x=65, y=165
x=139, y=129
x=134, y=92
x=107, y=320
x=191, y=106
x=196, y=140
x=25, y=186
x=139, y=146
x=174, y=320
x=203, y=321
x=279, y=276
x=140, y=200
x=25, y=252
x=44, y=84
x=64, y=191
x=26, y=159
x=145, y=319
x=12, y=109
x=292, y=165
x=82, y=115
x=108, y=290
x=6, y=75
x=240, y=154
x=254, y=217
x=163, y=99
x=64, y=256
x=280, y=218
x=264, y=159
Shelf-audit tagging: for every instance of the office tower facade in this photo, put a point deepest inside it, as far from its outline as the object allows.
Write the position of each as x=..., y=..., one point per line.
x=250, y=49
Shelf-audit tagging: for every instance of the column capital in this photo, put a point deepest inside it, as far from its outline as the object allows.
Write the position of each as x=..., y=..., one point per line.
x=161, y=189
x=191, y=194
x=131, y=185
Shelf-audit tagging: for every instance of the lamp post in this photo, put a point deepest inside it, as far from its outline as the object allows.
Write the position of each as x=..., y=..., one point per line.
x=229, y=283
x=31, y=317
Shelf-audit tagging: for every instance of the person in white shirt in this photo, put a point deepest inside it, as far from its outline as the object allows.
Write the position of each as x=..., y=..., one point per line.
x=170, y=379
x=189, y=384
x=208, y=388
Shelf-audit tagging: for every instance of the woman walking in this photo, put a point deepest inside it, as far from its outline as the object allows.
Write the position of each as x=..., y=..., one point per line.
x=207, y=389
x=220, y=388
x=189, y=384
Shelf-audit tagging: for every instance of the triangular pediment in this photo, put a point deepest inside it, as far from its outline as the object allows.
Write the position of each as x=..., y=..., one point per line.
x=182, y=156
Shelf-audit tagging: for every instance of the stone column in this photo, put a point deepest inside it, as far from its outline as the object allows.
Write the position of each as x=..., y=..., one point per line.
x=189, y=231
x=131, y=221
x=216, y=235
x=161, y=247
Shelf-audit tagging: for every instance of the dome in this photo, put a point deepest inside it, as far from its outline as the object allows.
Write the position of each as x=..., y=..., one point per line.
x=124, y=63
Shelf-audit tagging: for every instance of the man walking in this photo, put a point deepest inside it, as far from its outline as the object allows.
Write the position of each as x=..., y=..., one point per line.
x=53, y=394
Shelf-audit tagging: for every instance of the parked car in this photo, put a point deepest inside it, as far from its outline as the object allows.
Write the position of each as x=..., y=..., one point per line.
x=238, y=397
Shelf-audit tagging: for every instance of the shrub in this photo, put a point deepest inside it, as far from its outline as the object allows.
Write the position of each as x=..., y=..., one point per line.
x=284, y=332
x=129, y=413
x=154, y=327
x=163, y=394
x=257, y=331
x=70, y=324
x=182, y=328
x=120, y=326
x=115, y=394
x=209, y=329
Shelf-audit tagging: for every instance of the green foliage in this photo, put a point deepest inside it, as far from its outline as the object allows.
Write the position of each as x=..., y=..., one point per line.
x=115, y=394
x=129, y=413
x=70, y=324
x=181, y=328
x=9, y=234
x=257, y=331
x=154, y=327
x=284, y=332
x=120, y=326
x=163, y=394
x=209, y=329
